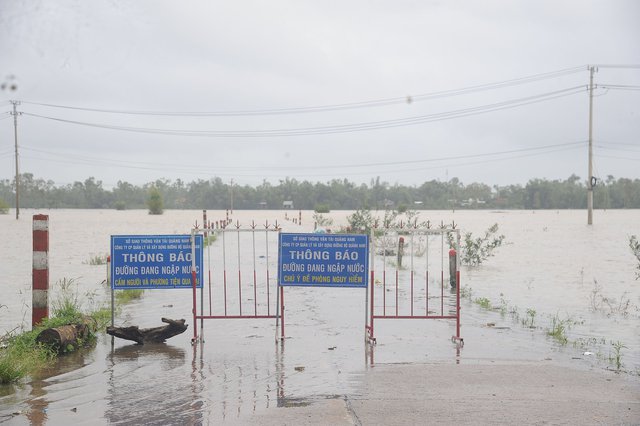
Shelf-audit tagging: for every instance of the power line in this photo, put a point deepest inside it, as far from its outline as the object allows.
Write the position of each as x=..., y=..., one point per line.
x=343, y=128
x=619, y=158
x=341, y=106
x=619, y=87
x=619, y=66
x=164, y=166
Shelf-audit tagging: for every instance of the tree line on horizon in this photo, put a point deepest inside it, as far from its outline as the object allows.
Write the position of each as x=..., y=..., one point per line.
x=336, y=194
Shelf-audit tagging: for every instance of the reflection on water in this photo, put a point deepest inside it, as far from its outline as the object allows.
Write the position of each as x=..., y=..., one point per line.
x=147, y=385
x=552, y=263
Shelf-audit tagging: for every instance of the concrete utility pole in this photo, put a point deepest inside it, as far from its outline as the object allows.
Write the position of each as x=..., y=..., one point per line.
x=590, y=181
x=15, y=133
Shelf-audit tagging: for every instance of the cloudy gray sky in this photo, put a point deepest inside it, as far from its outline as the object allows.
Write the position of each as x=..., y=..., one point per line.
x=491, y=91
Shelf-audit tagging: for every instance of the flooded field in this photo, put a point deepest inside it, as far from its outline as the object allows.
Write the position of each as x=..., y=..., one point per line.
x=553, y=268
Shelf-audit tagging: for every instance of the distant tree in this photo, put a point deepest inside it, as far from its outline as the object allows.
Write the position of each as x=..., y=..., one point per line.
x=4, y=207
x=154, y=202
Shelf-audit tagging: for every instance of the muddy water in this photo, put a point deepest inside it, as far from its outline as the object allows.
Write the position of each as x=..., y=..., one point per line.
x=553, y=265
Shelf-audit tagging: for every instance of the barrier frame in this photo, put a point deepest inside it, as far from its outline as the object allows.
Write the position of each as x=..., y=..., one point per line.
x=412, y=230
x=278, y=315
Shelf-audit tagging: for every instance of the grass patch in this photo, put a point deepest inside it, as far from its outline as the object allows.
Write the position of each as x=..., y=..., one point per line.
x=615, y=358
x=559, y=329
x=98, y=259
x=21, y=355
x=127, y=296
x=483, y=302
x=529, y=319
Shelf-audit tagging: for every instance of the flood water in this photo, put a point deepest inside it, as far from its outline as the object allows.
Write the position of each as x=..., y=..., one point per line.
x=552, y=266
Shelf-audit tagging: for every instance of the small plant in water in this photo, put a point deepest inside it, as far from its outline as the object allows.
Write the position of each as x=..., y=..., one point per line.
x=558, y=329
x=504, y=306
x=529, y=320
x=98, y=259
x=466, y=292
x=483, y=302
x=616, y=357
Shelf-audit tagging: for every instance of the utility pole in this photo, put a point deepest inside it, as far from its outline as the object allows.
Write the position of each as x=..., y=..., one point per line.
x=590, y=182
x=15, y=133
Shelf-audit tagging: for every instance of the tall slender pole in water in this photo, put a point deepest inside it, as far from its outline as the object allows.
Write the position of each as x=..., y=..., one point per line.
x=15, y=133
x=590, y=180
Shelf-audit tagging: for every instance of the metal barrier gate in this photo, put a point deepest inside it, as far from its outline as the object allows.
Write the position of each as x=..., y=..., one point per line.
x=238, y=281
x=409, y=264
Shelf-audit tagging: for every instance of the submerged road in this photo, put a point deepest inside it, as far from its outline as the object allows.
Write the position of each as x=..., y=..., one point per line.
x=507, y=394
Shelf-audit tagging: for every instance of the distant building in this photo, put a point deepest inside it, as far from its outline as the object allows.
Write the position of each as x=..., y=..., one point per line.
x=287, y=204
x=262, y=204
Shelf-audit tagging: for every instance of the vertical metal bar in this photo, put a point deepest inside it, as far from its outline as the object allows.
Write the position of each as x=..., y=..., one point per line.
x=266, y=239
x=193, y=285
x=282, y=312
x=427, y=278
x=366, y=293
x=255, y=291
x=384, y=273
x=372, y=305
x=442, y=273
x=458, y=285
x=412, y=273
x=113, y=313
x=396, y=291
x=224, y=268
x=209, y=276
x=239, y=276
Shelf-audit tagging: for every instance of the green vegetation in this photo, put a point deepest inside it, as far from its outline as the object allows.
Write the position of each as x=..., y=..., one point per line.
x=210, y=239
x=477, y=250
x=529, y=320
x=120, y=205
x=21, y=355
x=154, y=202
x=4, y=207
x=483, y=302
x=634, y=245
x=126, y=296
x=321, y=208
x=362, y=221
x=98, y=259
x=321, y=221
x=340, y=194
x=616, y=357
x=559, y=329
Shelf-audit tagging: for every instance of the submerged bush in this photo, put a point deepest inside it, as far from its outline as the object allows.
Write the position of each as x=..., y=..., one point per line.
x=634, y=245
x=477, y=250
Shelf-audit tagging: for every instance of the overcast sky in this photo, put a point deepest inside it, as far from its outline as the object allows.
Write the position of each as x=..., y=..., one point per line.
x=317, y=90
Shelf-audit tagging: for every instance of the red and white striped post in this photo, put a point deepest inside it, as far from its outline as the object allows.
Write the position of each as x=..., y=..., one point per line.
x=40, y=280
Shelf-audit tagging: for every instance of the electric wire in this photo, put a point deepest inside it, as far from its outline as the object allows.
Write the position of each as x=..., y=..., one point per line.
x=340, y=106
x=343, y=128
x=288, y=171
x=143, y=165
x=619, y=87
x=619, y=158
